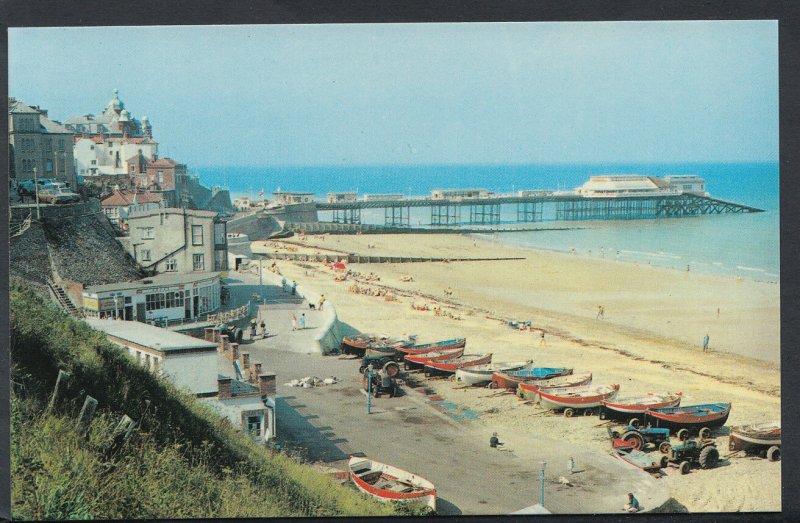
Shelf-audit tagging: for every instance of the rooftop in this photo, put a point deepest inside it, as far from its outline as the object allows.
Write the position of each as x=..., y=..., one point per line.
x=125, y=198
x=160, y=280
x=154, y=337
x=173, y=210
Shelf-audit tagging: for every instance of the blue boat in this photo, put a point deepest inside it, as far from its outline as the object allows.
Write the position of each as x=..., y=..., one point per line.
x=691, y=417
x=511, y=379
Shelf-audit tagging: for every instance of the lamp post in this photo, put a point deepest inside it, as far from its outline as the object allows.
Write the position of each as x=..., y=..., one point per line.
x=541, y=479
x=36, y=190
x=369, y=389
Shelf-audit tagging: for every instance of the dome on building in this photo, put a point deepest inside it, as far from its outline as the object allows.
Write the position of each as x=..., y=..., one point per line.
x=115, y=104
x=124, y=116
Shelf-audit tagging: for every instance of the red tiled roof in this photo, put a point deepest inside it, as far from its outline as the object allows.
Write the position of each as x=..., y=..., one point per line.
x=125, y=198
x=163, y=162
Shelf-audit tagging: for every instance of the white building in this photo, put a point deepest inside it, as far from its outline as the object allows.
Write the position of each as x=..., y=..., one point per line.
x=177, y=240
x=249, y=407
x=383, y=197
x=166, y=297
x=459, y=194
x=340, y=197
x=687, y=183
x=290, y=198
x=188, y=362
x=625, y=185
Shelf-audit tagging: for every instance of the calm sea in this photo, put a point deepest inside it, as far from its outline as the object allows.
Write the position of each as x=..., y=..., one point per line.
x=745, y=245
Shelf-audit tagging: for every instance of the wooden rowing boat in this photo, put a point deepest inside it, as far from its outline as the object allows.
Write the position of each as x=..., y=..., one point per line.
x=585, y=397
x=755, y=437
x=693, y=417
x=482, y=374
x=389, y=483
x=417, y=361
x=626, y=452
x=510, y=380
x=450, y=365
x=627, y=408
x=358, y=343
x=409, y=348
x=529, y=390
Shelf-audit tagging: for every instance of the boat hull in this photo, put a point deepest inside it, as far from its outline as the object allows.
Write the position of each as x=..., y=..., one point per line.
x=625, y=452
x=624, y=411
x=423, y=490
x=430, y=347
x=450, y=366
x=419, y=361
x=589, y=399
x=530, y=390
x=750, y=439
x=684, y=418
x=510, y=381
x=482, y=374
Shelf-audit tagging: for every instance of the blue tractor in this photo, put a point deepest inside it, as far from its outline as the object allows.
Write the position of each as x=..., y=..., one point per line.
x=640, y=437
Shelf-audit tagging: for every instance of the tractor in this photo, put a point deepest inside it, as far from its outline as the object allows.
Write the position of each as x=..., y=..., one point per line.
x=381, y=382
x=690, y=452
x=387, y=363
x=640, y=437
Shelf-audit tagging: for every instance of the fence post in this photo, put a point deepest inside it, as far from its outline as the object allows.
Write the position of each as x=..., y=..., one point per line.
x=87, y=411
x=61, y=382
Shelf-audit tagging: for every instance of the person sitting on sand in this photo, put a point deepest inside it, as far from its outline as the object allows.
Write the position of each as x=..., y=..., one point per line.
x=494, y=442
x=632, y=505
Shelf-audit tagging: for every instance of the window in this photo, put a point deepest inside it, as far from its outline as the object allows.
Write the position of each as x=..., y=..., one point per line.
x=197, y=235
x=171, y=265
x=154, y=302
x=94, y=162
x=49, y=166
x=155, y=364
x=220, y=260
x=219, y=233
x=199, y=262
x=61, y=144
x=160, y=177
x=174, y=299
x=254, y=425
x=91, y=147
x=146, y=233
x=138, y=357
x=145, y=254
x=147, y=361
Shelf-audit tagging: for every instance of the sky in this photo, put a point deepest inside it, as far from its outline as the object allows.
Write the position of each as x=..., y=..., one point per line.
x=409, y=94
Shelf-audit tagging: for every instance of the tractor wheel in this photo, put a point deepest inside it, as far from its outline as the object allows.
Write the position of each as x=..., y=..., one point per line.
x=704, y=433
x=633, y=439
x=664, y=447
x=685, y=467
x=683, y=434
x=709, y=457
x=568, y=412
x=492, y=385
x=392, y=369
x=361, y=369
x=614, y=434
x=588, y=412
x=774, y=453
x=634, y=422
x=664, y=461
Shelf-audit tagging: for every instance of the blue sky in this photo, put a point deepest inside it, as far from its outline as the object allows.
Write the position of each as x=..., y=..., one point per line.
x=421, y=93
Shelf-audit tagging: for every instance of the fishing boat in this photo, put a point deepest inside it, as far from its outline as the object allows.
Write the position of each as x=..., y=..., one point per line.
x=509, y=380
x=428, y=347
x=755, y=438
x=389, y=348
x=693, y=417
x=388, y=483
x=450, y=365
x=417, y=361
x=357, y=344
x=529, y=390
x=482, y=374
x=626, y=409
x=570, y=399
x=626, y=452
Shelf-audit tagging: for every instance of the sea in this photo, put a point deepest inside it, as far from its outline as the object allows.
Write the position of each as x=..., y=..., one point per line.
x=732, y=245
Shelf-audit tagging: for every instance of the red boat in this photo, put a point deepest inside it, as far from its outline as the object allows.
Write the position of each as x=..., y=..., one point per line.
x=430, y=347
x=420, y=360
x=530, y=389
x=625, y=409
x=570, y=399
x=450, y=365
x=388, y=483
x=694, y=418
x=510, y=380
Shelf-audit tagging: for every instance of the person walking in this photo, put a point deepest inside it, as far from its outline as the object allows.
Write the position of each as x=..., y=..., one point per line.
x=632, y=505
x=253, y=330
x=294, y=287
x=294, y=322
x=302, y=321
x=283, y=284
x=571, y=465
x=541, y=340
x=705, y=343
x=321, y=302
x=263, y=329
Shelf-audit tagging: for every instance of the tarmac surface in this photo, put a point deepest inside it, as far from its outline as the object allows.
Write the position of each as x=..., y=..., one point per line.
x=432, y=438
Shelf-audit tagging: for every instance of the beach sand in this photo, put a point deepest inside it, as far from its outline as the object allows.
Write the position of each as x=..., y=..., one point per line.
x=649, y=341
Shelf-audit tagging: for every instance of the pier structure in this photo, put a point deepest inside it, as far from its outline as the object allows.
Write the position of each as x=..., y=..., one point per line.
x=538, y=207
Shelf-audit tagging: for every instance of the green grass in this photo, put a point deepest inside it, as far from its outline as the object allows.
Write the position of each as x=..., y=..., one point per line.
x=182, y=462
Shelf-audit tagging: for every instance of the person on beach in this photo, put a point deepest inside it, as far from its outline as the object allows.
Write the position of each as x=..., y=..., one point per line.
x=253, y=330
x=717, y=312
x=294, y=287
x=600, y=313
x=494, y=442
x=321, y=302
x=263, y=329
x=632, y=505
x=541, y=340
x=294, y=322
x=283, y=284
x=571, y=465
x=705, y=343
x=302, y=321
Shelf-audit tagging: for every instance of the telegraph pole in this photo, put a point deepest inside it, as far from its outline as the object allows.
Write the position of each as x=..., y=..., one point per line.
x=36, y=189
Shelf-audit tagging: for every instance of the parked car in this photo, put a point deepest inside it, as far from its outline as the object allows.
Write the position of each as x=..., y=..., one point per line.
x=26, y=187
x=58, y=193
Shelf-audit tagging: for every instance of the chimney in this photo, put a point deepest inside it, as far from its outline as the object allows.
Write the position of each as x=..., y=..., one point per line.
x=245, y=361
x=234, y=351
x=257, y=369
x=224, y=388
x=209, y=334
x=266, y=384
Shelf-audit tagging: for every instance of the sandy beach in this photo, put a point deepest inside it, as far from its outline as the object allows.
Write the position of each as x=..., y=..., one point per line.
x=650, y=339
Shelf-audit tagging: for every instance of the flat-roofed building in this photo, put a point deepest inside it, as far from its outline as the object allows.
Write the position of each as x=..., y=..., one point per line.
x=459, y=194
x=625, y=185
x=688, y=183
x=159, y=299
x=342, y=197
x=250, y=407
x=190, y=363
x=383, y=197
x=291, y=198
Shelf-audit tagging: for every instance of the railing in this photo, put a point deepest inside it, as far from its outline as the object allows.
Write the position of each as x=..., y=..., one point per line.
x=18, y=229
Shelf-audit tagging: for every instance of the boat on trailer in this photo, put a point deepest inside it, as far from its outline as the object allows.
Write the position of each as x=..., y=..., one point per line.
x=389, y=483
x=624, y=451
x=450, y=366
x=529, y=390
x=757, y=438
x=482, y=374
x=511, y=379
x=417, y=361
x=692, y=417
x=571, y=399
x=625, y=409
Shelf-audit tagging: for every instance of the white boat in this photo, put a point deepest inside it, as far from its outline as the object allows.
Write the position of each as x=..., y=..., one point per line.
x=482, y=374
x=388, y=483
